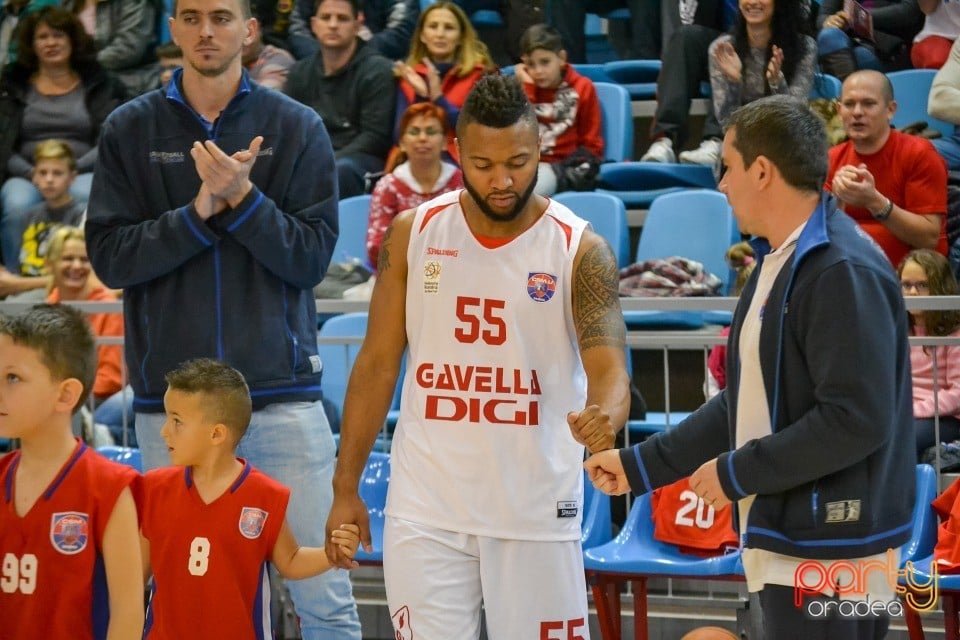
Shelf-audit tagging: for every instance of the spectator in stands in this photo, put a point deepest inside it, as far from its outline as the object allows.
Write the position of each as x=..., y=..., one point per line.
x=821, y=396
x=941, y=26
x=124, y=35
x=516, y=17
x=170, y=58
x=684, y=68
x=387, y=25
x=741, y=259
x=267, y=65
x=944, y=104
x=446, y=59
x=894, y=185
x=348, y=84
x=640, y=36
x=217, y=244
x=925, y=272
x=567, y=108
x=895, y=24
x=73, y=280
x=55, y=89
x=416, y=173
x=275, y=18
x=11, y=13
x=765, y=54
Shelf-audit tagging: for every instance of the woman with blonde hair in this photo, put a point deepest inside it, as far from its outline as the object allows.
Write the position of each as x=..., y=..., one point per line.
x=446, y=59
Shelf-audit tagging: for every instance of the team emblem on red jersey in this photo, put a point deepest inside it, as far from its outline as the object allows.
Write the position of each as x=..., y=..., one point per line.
x=401, y=624
x=252, y=521
x=69, y=532
x=541, y=286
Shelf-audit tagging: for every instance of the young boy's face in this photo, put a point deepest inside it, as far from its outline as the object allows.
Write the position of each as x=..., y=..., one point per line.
x=187, y=430
x=28, y=392
x=545, y=67
x=53, y=179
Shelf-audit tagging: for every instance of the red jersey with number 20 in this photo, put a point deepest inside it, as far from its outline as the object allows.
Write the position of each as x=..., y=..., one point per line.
x=52, y=583
x=682, y=518
x=209, y=561
x=482, y=444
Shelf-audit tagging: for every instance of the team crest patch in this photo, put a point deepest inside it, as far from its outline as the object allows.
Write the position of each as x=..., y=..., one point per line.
x=401, y=624
x=541, y=286
x=69, y=532
x=252, y=521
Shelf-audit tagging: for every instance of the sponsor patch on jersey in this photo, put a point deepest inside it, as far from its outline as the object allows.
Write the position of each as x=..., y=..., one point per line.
x=252, y=521
x=567, y=509
x=69, y=532
x=843, y=511
x=541, y=286
x=401, y=624
x=431, y=276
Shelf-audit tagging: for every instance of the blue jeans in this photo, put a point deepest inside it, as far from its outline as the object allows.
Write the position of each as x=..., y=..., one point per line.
x=291, y=442
x=831, y=40
x=949, y=149
x=17, y=196
x=111, y=414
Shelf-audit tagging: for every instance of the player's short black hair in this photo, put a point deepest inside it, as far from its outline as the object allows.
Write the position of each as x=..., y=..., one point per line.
x=226, y=393
x=61, y=336
x=496, y=101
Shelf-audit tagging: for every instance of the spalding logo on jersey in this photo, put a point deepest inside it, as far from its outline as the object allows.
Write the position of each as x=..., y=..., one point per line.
x=69, y=532
x=252, y=521
x=541, y=286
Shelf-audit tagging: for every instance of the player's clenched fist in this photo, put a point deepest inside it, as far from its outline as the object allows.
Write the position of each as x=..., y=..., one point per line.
x=592, y=428
x=606, y=472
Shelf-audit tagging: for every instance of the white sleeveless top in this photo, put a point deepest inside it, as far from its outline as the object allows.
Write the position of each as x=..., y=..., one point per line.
x=482, y=445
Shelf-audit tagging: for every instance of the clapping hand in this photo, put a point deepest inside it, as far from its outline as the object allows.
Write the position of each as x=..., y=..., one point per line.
x=728, y=61
x=226, y=179
x=775, y=67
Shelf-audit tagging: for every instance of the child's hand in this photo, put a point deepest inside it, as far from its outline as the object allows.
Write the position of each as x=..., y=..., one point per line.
x=347, y=537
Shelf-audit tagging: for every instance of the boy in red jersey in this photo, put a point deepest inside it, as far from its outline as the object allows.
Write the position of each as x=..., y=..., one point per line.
x=212, y=523
x=68, y=516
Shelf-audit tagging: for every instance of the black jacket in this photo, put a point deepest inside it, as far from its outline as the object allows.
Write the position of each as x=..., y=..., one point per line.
x=895, y=23
x=356, y=103
x=836, y=477
x=102, y=95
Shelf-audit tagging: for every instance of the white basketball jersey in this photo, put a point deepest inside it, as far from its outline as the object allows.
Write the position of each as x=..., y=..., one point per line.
x=482, y=445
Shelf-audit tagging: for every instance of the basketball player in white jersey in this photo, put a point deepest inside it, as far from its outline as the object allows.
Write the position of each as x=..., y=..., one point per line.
x=507, y=304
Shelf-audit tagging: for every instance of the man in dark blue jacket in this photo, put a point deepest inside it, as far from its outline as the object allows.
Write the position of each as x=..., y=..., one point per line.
x=214, y=206
x=811, y=437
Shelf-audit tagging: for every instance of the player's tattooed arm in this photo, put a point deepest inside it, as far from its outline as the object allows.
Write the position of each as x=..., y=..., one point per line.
x=383, y=260
x=596, y=299
x=390, y=241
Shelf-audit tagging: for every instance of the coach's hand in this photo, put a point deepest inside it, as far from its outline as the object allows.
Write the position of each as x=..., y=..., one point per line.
x=226, y=177
x=347, y=508
x=592, y=428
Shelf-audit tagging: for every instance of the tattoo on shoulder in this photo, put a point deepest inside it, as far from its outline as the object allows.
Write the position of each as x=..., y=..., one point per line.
x=383, y=260
x=596, y=300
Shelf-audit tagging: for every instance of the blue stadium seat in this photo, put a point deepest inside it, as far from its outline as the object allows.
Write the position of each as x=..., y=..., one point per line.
x=634, y=556
x=597, y=526
x=655, y=422
x=337, y=359
x=825, y=86
x=596, y=72
x=617, y=121
x=694, y=224
x=911, y=88
x=639, y=77
x=354, y=219
x=124, y=455
x=638, y=184
x=606, y=214
x=373, y=491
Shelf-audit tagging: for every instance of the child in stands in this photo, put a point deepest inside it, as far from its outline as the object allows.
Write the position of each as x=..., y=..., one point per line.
x=213, y=522
x=68, y=517
x=568, y=113
x=924, y=272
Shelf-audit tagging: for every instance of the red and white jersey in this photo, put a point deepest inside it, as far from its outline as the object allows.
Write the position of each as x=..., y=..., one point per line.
x=209, y=561
x=52, y=583
x=681, y=517
x=482, y=444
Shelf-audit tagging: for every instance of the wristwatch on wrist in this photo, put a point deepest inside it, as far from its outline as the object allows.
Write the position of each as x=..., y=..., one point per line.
x=884, y=213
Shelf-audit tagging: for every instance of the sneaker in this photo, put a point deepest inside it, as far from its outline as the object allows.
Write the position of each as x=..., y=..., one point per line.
x=706, y=154
x=660, y=151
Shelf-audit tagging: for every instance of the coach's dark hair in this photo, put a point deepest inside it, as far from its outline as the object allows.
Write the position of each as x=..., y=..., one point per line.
x=61, y=337
x=496, y=101
x=227, y=397
x=789, y=134
x=245, y=10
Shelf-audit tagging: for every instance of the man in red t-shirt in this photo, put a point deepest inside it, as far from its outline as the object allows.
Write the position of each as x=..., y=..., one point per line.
x=893, y=185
